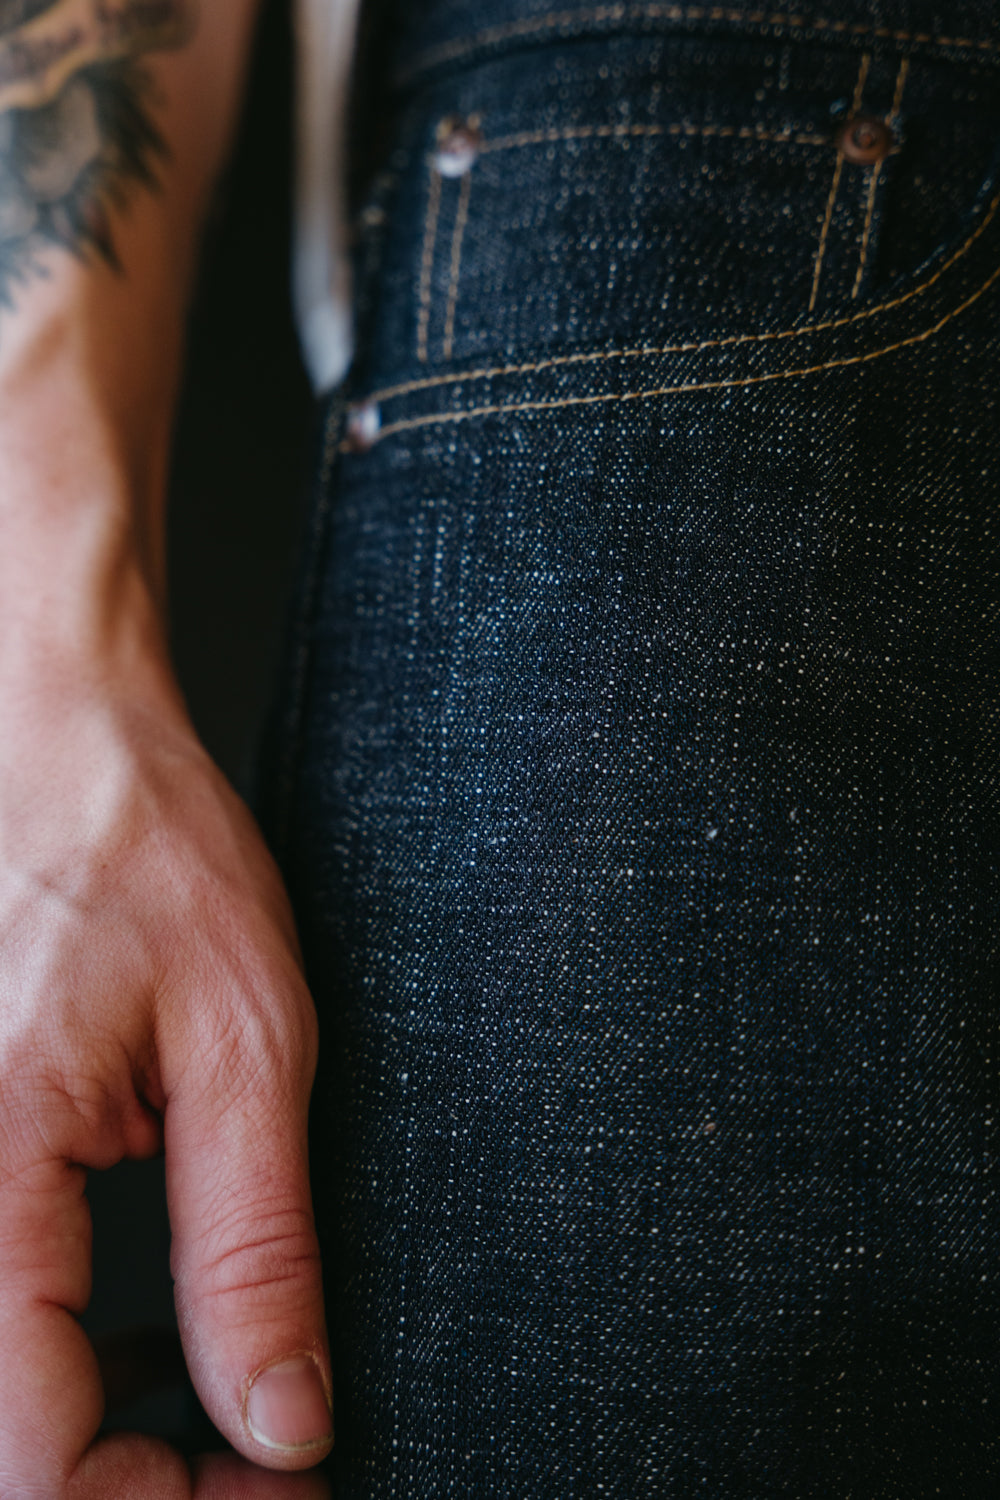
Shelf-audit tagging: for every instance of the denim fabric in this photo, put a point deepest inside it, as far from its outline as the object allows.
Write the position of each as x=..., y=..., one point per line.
x=639, y=783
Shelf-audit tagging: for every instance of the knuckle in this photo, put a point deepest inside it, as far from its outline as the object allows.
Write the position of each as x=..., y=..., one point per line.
x=60, y=1101
x=255, y=1046
x=258, y=1254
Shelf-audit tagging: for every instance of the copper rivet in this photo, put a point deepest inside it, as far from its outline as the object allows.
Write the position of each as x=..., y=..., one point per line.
x=363, y=423
x=865, y=139
x=458, y=144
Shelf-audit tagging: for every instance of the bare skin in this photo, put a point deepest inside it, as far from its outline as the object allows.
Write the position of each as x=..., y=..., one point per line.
x=151, y=995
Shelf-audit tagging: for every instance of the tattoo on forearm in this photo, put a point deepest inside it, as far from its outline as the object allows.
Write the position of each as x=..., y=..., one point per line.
x=75, y=128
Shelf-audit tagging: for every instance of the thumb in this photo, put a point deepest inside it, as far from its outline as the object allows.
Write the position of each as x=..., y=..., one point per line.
x=245, y=1256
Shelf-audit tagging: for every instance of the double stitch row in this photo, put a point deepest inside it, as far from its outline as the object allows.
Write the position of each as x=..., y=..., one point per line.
x=387, y=393
x=435, y=419
x=608, y=132
x=802, y=330
x=543, y=137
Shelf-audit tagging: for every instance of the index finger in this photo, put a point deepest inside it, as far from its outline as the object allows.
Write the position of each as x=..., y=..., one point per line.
x=51, y=1400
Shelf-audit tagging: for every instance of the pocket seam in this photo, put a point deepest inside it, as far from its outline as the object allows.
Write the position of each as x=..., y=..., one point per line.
x=457, y=236
x=894, y=109
x=551, y=136
x=866, y=230
x=458, y=377
x=681, y=127
x=838, y=171
x=430, y=419
x=427, y=263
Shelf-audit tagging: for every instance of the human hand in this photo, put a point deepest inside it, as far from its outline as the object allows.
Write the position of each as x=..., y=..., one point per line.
x=150, y=998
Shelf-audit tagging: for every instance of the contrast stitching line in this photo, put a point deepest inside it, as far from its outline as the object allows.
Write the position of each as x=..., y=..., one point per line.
x=859, y=89
x=825, y=230
x=448, y=51
x=451, y=418
x=461, y=218
x=873, y=184
x=866, y=231
x=585, y=132
x=427, y=263
x=496, y=372
x=901, y=76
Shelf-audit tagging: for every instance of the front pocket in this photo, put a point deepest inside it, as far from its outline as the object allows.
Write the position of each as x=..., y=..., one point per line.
x=639, y=190
x=955, y=290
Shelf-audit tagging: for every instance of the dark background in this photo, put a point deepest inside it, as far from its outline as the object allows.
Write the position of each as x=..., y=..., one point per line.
x=244, y=433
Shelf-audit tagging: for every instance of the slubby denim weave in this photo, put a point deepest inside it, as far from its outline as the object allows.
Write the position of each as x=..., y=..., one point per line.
x=639, y=776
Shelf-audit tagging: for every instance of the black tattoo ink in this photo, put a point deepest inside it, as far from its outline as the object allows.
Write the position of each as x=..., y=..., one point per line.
x=76, y=136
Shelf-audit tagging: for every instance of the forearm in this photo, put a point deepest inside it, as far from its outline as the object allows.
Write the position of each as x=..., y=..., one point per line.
x=105, y=175
x=151, y=996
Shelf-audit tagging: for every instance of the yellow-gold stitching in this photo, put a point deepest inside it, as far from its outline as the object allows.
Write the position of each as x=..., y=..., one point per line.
x=681, y=127
x=866, y=231
x=859, y=89
x=408, y=424
x=461, y=218
x=897, y=101
x=495, y=372
x=427, y=263
x=825, y=228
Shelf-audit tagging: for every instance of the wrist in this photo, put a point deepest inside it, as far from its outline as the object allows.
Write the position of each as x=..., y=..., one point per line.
x=81, y=597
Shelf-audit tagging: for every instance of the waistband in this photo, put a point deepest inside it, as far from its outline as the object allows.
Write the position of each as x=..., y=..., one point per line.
x=429, y=36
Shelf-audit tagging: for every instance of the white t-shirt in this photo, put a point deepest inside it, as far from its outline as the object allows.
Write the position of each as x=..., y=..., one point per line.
x=325, y=32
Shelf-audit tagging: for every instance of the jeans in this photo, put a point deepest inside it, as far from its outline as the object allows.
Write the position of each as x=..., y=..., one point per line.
x=637, y=785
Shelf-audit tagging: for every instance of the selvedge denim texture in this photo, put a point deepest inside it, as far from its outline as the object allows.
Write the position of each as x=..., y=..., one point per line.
x=639, y=777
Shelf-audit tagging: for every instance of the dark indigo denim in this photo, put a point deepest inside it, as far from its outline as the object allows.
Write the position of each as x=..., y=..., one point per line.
x=639, y=782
